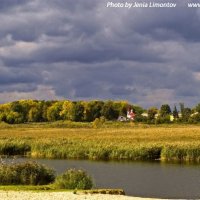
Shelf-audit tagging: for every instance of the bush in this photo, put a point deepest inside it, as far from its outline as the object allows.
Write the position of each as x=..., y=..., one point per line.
x=98, y=122
x=74, y=179
x=162, y=120
x=27, y=173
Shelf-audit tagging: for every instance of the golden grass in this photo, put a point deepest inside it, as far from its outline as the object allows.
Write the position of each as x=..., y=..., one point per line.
x=130, y=143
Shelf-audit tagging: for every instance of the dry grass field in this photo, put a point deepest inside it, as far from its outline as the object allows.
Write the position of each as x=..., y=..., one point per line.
x=132, y=142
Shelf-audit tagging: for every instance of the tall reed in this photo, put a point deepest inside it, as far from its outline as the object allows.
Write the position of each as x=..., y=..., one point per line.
x=132, y=143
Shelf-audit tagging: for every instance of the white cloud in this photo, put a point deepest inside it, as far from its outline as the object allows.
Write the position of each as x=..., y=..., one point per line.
x=41, y=93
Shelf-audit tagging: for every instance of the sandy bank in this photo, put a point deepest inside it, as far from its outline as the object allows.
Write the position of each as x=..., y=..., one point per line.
x=21, y=195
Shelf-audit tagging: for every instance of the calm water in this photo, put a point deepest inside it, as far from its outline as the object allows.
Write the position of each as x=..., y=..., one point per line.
x=138, y=178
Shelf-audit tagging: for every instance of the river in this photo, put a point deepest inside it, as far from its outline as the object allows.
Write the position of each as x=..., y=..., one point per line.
x=143, y=179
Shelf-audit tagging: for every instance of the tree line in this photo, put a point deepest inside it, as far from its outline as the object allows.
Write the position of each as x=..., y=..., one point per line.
x=166, y=115
x=48, y=111
x=24, y=111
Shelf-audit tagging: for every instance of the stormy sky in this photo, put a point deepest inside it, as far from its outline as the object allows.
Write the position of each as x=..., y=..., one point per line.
x=80, y=49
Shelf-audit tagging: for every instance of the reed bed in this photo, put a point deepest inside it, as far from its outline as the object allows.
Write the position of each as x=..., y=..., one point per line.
x=179, y=143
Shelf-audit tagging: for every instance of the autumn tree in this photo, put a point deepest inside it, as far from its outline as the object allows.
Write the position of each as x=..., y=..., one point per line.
x=53, y=112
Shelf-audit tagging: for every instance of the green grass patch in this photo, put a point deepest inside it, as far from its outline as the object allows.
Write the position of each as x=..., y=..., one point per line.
x=50, y=188
x=27, y=188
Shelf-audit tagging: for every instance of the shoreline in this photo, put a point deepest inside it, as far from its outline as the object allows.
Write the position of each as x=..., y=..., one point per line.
x=34, y=195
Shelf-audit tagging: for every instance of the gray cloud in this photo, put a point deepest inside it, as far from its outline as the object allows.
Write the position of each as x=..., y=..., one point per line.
x=84, y=50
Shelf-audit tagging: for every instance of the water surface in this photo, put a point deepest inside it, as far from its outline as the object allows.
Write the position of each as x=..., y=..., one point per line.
x=144, y=179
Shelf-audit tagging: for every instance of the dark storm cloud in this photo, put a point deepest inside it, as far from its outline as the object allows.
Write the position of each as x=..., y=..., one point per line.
x=19, y=87
x=119, y=91
x=16, y=76
x=82, y=50
x=9, y=4
x=180, y=23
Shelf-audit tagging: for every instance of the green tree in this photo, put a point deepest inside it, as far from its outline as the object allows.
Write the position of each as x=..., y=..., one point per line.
x=137, y=109
x=165, y=110
x=76, y=111
x=14, y=118
x=121, y=107
x=44, y=107
x=151, y=113
x=197, y=108
x=186, y=114
x=4, y=110
x=22, y=107
x=65, y=112
x=182, y=107
x=35, y=114
x=92, y=110
x=53, y=112
x=175, y=113
x=96, y=109
x=195, y=118
x=108, y=111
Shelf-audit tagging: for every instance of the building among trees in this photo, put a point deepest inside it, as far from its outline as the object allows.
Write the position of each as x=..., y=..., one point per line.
x=130, y=114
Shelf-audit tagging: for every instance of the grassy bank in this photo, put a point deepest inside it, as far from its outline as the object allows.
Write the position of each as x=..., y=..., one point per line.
x=28, y=188
x=111, y=142
x=50, y=188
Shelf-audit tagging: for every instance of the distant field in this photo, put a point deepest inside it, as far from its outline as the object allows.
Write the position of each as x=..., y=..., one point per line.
x=114, y=141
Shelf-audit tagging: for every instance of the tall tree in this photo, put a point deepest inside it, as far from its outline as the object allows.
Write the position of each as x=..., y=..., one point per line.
x=175, y=112
x=165, y=110
x=92, y=110
x=182, y=107
x=108, y=111
x=53, y=112
x=76, y=112
x=186, y=114
x=151, y=113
